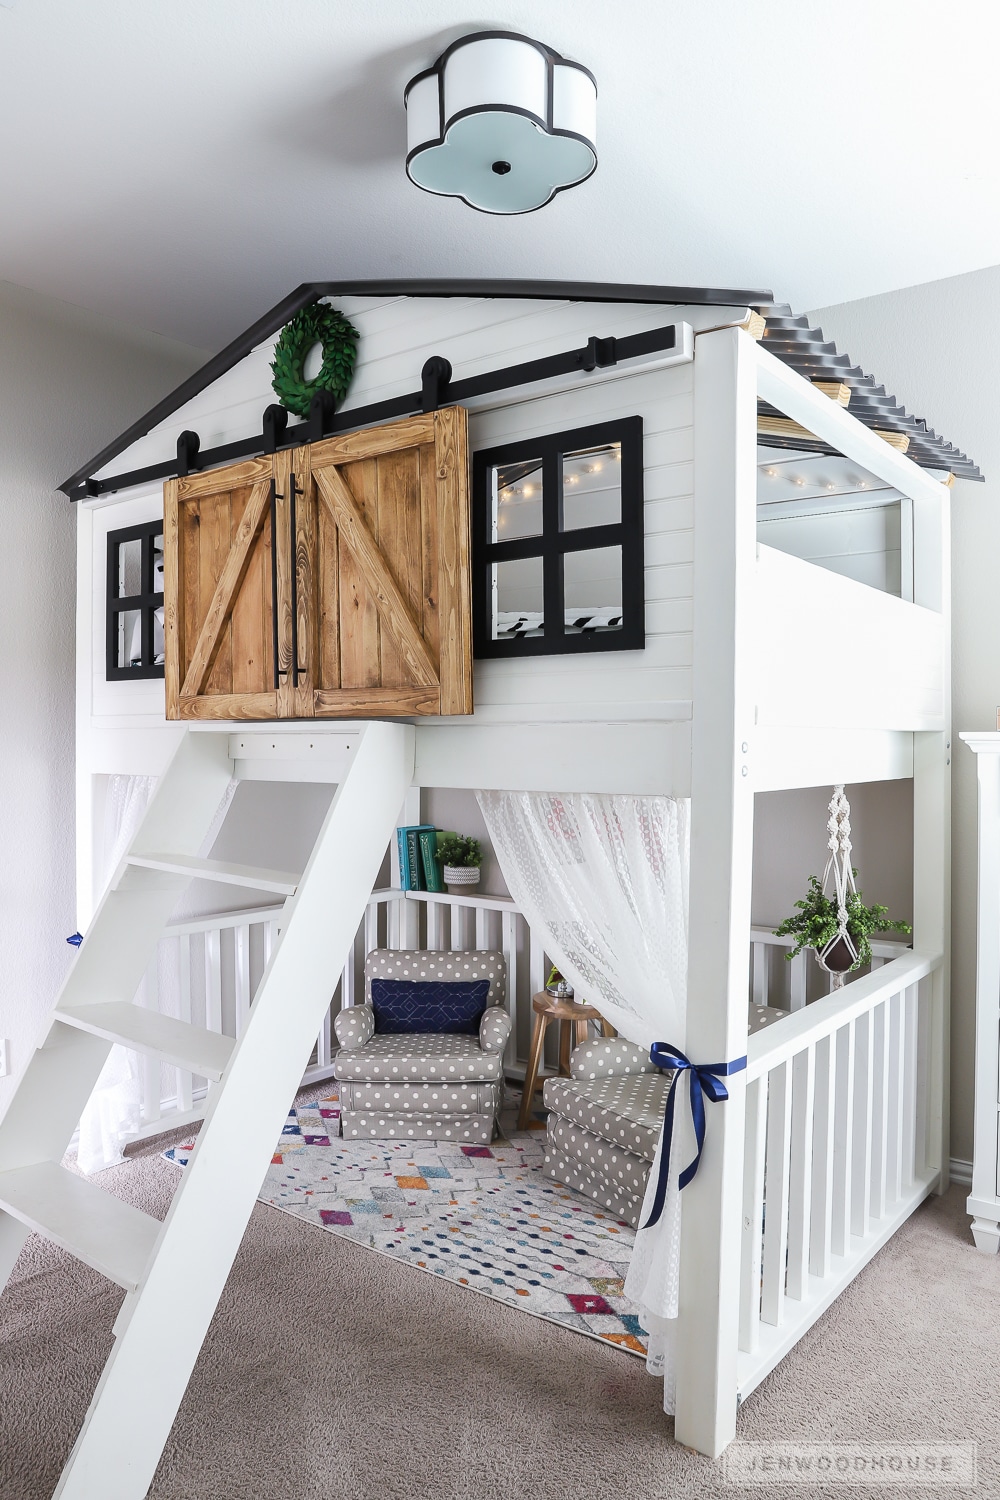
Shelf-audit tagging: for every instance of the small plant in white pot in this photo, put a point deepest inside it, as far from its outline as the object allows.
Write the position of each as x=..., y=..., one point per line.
x=461, y=858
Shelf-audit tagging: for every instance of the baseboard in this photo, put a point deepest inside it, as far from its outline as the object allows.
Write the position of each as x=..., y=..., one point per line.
x=960, y=1172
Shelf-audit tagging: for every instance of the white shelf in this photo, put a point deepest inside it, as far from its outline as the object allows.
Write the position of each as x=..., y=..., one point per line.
x=102, y=1231
x=203, y=1052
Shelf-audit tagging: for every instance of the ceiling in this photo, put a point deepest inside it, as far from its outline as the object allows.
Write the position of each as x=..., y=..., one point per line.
x=182, y=166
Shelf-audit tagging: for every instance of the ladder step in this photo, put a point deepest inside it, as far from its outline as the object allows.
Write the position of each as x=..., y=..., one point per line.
x=112, y=1236
x=203, y=1052
x=279, y=881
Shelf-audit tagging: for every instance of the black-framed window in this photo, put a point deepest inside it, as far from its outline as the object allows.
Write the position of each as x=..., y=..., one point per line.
x=558, y=543
x=135, y=602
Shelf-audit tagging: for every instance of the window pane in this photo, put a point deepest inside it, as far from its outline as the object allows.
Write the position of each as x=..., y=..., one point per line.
x=517, y=500
x=129, y=637
x=518, y=608
x=158, y=564
x=592, y=487
x=592, y=583
x=129, y=568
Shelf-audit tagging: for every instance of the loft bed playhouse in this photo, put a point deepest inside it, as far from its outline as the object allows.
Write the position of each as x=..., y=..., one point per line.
x=528, y=554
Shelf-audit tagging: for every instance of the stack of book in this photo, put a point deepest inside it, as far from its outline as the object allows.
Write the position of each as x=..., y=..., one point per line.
x=419, y=867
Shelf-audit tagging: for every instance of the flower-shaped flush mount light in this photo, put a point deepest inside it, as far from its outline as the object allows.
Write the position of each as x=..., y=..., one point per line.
x=502, y=122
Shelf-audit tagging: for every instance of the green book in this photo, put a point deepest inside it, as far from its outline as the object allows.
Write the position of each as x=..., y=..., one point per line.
x=417, y=882
x=433, y=873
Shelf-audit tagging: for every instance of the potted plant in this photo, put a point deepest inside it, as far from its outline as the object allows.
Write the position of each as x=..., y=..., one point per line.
x=816, y=925
x=461, y=858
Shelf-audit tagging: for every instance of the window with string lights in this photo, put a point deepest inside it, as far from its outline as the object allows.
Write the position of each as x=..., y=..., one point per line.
x=558, y=543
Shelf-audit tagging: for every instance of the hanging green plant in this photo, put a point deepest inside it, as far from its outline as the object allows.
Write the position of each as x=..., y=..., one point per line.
x=315, y=324
x=816, y=922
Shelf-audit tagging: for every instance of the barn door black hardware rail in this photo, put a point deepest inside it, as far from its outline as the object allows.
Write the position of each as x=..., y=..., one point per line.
x=437, y=389
x=275, y=497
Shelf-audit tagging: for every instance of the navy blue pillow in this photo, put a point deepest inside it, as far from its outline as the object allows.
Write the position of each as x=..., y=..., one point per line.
x=454, y=1006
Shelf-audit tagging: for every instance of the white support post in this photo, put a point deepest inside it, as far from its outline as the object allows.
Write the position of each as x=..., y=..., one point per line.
x=932, y=818
x=725, y=466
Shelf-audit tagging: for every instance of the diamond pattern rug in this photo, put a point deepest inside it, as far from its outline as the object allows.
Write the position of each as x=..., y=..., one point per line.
x=483, y=1217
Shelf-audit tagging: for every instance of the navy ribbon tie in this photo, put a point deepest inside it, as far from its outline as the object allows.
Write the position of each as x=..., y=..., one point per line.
x=706, y=1082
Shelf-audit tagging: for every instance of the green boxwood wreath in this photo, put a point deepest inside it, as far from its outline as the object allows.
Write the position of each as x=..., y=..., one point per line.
x=315, y=324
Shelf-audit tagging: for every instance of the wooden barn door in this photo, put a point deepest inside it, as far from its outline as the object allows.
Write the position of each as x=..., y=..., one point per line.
x=219, y=579
x=382, y=550
x=327, y=581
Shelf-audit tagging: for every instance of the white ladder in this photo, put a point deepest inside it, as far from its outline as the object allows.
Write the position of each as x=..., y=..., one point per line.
x=173, y=1273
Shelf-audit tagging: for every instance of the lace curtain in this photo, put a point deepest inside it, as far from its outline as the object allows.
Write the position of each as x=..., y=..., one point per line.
x=603, y=881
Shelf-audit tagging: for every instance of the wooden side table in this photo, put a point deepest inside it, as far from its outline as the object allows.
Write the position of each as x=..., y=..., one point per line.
x=572, y=1016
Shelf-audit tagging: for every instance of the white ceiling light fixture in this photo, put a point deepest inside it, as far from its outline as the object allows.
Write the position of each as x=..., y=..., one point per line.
x=502, y=122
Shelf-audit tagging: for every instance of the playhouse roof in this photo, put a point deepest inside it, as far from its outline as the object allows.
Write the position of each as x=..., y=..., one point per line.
x=790, y=338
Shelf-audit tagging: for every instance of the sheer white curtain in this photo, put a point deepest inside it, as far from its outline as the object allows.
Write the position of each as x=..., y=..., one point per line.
x=603, y=881
x=114, y=1111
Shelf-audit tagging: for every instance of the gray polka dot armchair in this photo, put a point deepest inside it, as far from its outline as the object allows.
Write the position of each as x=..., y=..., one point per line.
x=437, y=1087
x=604, y=1120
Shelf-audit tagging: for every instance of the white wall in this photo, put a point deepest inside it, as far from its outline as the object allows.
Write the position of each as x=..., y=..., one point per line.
x=69, y=382
x=936, y=348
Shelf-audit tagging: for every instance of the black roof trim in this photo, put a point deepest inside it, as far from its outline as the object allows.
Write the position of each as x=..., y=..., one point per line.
x=805, y=350
x=311, y=291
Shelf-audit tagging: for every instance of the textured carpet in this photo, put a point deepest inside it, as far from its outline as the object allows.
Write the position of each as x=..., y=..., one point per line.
x=331, y=1372
x=482, y=1217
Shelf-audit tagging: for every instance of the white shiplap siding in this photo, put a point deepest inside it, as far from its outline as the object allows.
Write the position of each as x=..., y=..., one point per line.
x=657, y=679
x=397, y=336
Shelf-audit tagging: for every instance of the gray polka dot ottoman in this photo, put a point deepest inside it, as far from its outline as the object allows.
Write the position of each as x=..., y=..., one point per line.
x=604, y=1120
x=437, y=1086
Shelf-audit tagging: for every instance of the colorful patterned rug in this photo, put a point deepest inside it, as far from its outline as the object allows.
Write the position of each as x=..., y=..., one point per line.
x=483, y=1217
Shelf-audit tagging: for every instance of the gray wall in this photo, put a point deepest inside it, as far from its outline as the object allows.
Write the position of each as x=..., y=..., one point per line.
x=69, y=382
x=936, y=347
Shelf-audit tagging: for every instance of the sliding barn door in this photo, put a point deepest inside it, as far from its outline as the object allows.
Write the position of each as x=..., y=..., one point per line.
x=224, y=642
x=382, y=552
x=326, y=581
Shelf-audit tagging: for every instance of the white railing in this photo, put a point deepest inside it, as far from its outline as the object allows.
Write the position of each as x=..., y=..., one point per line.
x=785, y=984
x=837, y=1148
x=208, y=970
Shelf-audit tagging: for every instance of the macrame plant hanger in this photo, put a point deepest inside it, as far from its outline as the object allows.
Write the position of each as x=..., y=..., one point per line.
x=839, y=866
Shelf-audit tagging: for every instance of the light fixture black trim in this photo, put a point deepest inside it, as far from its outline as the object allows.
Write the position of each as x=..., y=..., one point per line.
x=76, y=486
x=551, y=58
x=146, y=602
x=553, y=543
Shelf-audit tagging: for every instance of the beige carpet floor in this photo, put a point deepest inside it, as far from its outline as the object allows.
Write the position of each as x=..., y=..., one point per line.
x=330, y=1371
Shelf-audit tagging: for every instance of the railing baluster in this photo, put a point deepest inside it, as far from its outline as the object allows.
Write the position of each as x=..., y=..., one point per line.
x=241, y=957
x=434, y=925
x=371, y=927
x=880, y=1110
x=797, y=980
x=509, y=945
x=753, y=1213
x=482, y=927
x=844, y=1135
x=896, y=1016
x=823, y=1144
x=151, y=1079
x=800, y=1172
x=758, y=972
x=779, y=1114
x=213, y=980
x=910, y=1013
x=861, y=1166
